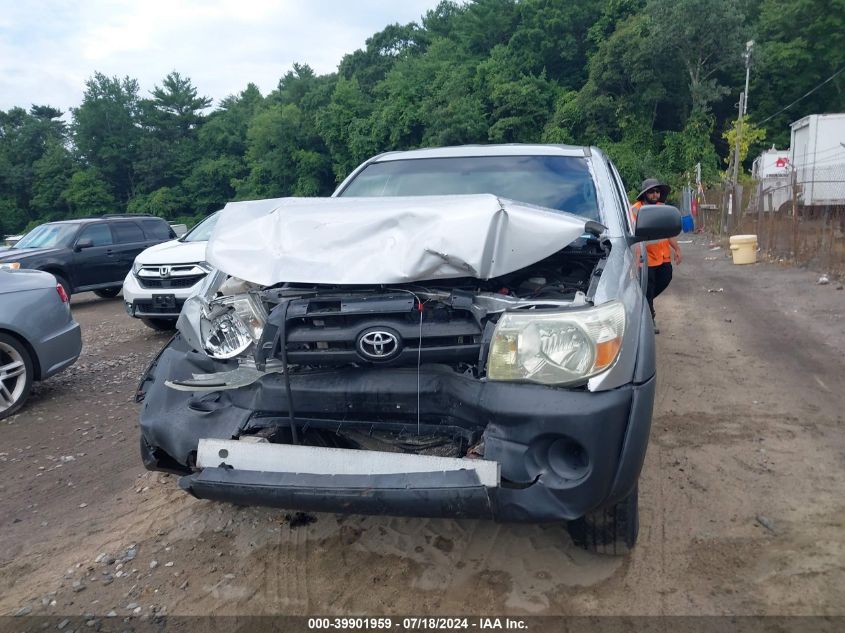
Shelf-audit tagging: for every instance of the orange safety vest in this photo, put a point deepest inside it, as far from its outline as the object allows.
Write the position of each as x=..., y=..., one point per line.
x=659, y=252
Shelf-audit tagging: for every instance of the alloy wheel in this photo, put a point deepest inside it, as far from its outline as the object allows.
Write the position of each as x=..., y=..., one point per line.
x=12, y=376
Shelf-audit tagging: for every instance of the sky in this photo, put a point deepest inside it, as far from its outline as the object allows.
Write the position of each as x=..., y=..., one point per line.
x=49, y=48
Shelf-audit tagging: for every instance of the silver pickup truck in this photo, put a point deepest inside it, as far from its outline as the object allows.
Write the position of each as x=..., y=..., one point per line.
x=457, y=332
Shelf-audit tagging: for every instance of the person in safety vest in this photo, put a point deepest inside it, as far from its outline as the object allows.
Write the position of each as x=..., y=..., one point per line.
x=660, y=252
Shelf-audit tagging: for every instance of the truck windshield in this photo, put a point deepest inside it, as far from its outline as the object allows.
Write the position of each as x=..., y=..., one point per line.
x=48, y=236
x=557, y=182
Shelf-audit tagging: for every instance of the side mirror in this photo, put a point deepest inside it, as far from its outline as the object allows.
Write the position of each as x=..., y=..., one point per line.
x=86, y=243
x=656, y=222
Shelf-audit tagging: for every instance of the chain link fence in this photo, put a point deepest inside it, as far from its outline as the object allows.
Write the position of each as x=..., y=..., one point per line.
x=798, y=217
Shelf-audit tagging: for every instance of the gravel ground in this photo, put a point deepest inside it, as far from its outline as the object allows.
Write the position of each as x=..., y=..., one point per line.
x=741, y=494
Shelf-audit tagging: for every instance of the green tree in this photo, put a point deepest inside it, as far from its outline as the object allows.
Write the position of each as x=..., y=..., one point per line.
x=454, y=109
x=106, y=133
x=222, y=149
x=344, y=126
x=168, y=147
x=278, y=157
x=485, y=24
x=552, y=38
x=24, y=139
x=88, y=194
x=51, y=176
x=706, y=37
x=371, y=64
x=799, y=45
x=165, y=202
x=749, y=134
x=520, y=103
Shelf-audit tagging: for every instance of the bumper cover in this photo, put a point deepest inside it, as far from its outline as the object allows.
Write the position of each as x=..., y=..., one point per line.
x=453, y=494
x=59, y=350
x=141, y=302
x=562, y=452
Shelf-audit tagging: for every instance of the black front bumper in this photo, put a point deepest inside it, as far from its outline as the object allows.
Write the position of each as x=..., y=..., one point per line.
x=561, y=452
x=454, y=494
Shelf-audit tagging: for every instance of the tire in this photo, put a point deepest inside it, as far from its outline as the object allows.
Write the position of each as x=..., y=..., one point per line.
x=107, y=293
x=612, y=530
x=15, y=375
x=160, y=325
x=63, y=282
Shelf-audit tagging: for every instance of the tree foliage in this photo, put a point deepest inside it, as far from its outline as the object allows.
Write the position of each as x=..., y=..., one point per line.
x=653, y=82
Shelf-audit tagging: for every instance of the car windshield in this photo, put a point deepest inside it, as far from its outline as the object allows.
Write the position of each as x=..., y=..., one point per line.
x=558, y=182
x=202, y=231
x=47, y=236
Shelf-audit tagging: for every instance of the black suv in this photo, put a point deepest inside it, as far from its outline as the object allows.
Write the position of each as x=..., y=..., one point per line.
x=88, y=253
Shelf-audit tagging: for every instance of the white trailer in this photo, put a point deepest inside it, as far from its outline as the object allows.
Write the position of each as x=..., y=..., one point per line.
x=772, y=163
x=772, y=170
x=817, y=156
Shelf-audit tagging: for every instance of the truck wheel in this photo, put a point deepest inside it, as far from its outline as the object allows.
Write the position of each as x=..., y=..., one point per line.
x=612, y=530
x=15, y=375
x=107, y=293
x=160, y=325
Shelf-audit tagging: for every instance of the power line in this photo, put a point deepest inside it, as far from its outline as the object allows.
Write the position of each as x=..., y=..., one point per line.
x=805, y=96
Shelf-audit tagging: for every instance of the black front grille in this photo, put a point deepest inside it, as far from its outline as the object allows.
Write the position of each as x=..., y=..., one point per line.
x=169, y=282
x=326, y=331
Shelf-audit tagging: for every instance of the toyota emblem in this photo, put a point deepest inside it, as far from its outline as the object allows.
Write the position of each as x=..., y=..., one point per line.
x=379, y=344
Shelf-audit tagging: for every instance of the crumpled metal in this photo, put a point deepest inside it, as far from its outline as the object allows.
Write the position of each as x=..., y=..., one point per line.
x=385, y=240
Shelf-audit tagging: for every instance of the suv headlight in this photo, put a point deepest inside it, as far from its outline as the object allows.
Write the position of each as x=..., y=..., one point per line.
x=231, y=324
x=10, y=265
x=556, y=348
x=136, y=266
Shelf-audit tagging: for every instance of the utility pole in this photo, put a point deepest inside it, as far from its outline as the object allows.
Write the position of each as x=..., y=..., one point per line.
x=735, y=165
x=748, y=46
x=732, y=202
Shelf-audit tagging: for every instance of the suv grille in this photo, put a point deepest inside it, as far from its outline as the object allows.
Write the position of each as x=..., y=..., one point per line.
x=169, y=277
x=173, y=282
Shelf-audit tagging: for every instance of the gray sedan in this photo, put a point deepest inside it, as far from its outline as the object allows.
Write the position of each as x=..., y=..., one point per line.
x=38, y=336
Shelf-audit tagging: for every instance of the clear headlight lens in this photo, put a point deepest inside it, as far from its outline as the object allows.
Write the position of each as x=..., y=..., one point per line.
x=556, y=348
x=136, y=266
x=10, y=265
x=231, y=325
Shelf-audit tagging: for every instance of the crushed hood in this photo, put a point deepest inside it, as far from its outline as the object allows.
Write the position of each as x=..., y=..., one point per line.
x=384, y=240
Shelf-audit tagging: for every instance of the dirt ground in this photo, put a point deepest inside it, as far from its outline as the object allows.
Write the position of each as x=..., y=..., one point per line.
x=742, y=505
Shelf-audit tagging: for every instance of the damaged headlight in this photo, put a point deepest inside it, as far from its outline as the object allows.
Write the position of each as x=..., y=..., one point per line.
x=231, y=324
x=556, y=348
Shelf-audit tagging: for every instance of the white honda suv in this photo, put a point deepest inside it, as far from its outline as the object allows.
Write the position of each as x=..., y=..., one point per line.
x=164, y=275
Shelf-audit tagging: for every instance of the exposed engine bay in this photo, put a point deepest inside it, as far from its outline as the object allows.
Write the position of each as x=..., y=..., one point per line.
x=400, y=325
x=447, y=325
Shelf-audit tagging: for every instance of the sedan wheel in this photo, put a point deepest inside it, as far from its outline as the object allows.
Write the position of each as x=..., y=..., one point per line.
x=15, y=375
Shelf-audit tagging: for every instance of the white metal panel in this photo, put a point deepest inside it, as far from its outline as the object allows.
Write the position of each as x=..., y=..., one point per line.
x=318, y=460
x=818, y=157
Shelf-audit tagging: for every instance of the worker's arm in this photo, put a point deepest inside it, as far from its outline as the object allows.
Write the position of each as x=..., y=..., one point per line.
x=676, y=249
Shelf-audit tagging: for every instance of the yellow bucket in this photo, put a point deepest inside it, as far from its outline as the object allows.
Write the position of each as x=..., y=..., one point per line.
x=744, y=249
